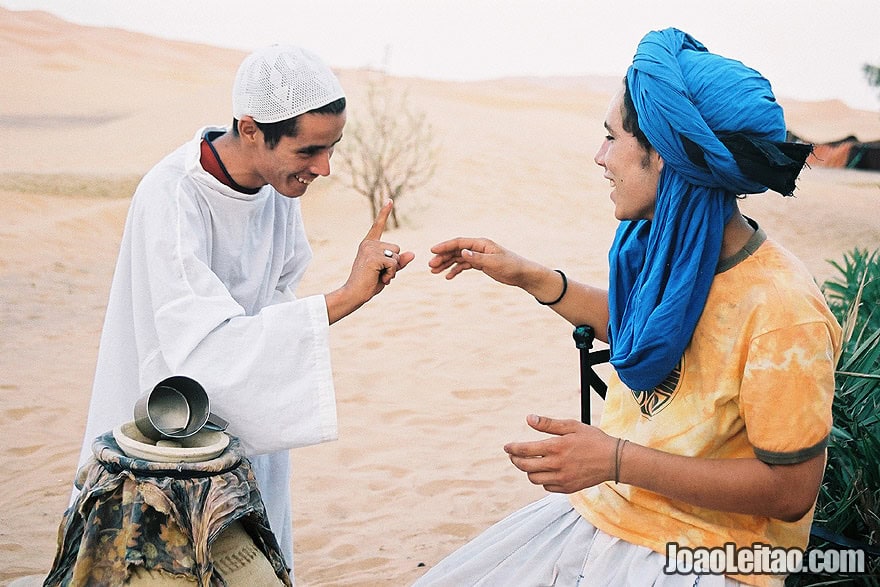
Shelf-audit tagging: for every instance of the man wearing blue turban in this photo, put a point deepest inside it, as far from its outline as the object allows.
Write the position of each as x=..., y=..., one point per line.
x=717, y=417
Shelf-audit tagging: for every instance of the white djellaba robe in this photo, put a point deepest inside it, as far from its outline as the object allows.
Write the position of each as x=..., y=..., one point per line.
x=204, y=287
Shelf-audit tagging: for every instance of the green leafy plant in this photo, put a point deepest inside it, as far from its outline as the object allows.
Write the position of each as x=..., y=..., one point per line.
x=849, y=499
x=856, y=291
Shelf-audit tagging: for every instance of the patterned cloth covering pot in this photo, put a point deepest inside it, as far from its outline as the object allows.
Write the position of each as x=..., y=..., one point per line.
x=135, y=518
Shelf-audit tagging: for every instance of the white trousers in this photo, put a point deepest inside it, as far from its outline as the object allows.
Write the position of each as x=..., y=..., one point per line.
x=548, y=543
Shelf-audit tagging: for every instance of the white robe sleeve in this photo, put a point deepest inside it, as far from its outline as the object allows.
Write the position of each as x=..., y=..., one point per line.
x=211, y=288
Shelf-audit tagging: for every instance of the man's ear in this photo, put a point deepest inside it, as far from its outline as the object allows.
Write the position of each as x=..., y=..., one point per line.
x=248, y=129
x=656, y=160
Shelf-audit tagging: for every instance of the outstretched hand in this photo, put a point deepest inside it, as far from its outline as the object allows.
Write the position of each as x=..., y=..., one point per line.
x=375, y=265
x=388, y=259
x=460, y=254
x=577, y=455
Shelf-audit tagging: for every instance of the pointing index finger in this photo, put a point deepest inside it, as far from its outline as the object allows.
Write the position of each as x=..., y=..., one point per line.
x=378, y=227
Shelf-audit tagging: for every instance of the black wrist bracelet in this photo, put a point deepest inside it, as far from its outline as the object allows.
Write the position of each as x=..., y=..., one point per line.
x=562, y=295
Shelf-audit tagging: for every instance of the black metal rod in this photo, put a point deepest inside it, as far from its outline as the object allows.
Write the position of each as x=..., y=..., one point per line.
x=583, y=340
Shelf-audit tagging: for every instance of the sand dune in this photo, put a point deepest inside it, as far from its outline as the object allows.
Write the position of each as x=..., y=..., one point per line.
x=433, y=377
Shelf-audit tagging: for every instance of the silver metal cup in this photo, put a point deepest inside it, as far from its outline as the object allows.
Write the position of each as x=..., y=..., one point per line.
x=177, y=407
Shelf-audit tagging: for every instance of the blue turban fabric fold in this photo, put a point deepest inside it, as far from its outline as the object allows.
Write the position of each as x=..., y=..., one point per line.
x=689, y=102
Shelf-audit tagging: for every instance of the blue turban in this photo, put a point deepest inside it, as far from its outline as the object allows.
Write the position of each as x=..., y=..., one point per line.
x=719, y=130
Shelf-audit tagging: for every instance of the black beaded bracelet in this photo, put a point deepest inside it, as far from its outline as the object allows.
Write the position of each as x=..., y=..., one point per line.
x=562, y=295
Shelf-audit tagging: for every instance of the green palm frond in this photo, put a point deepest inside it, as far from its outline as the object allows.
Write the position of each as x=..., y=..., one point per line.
x=849, y=499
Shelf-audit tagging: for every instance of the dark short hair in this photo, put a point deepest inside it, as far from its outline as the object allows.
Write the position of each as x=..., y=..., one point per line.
x=273, y=131
x=630, y=123
x=631, y=119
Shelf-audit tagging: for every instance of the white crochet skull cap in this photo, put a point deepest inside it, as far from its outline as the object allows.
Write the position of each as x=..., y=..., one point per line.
x=280, y=82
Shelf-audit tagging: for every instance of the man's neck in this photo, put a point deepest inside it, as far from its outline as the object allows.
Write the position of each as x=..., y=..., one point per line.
x=737, y=233
x=231, y=152
x=225, y=150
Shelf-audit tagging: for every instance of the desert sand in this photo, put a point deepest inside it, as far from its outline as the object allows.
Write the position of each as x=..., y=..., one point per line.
x=432, y=377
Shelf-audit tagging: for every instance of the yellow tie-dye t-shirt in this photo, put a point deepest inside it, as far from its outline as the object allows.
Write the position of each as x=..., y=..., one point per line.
x=756, y=380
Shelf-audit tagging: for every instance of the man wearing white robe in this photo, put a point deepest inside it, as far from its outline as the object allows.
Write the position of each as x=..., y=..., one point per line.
x=208, y=266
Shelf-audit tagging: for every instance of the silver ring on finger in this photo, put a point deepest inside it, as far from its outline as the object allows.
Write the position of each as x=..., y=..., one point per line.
x=388, y=253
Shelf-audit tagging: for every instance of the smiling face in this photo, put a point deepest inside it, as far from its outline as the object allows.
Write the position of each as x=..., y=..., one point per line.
x=297, y=161
x=633, y=171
